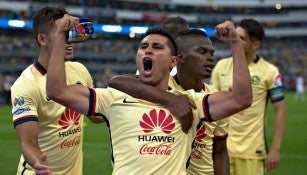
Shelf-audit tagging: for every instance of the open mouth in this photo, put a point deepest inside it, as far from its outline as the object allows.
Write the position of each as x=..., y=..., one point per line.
x=147, y=64
x=68, y=48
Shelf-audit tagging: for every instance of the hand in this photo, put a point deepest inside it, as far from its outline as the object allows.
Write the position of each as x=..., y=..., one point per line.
x=66, y=23
x=181, y=108
x=273, y=159
x=41, y=167
x=226, y=32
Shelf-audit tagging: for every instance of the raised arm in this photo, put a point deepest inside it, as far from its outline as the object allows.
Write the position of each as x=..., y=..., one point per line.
x=75, y=97
x=223, y=104
x=179, y=106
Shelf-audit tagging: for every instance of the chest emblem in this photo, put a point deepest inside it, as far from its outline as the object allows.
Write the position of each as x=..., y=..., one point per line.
x=157, y=119
x=69, y=117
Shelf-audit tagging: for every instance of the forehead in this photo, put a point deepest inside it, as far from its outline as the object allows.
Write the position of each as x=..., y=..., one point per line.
x=199, y=41
x=155, y=38
x=241, y=32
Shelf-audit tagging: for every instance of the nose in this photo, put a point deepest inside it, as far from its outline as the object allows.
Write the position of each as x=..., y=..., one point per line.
x=148, y=51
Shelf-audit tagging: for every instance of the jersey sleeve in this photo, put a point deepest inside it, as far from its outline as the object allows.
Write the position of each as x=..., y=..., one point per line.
x=201, y=100
x=100, y=102
x=84, y=74
x=23, y=103
x=221, y=130
x=275, y=86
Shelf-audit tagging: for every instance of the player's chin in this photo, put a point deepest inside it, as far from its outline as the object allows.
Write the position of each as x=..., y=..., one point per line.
x=68, y=57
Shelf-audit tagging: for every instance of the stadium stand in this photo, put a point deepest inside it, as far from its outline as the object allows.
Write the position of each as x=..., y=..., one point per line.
x=111, y=53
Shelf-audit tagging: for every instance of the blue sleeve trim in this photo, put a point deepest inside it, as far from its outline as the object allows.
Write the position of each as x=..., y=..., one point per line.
x=92, y=103
x=206, y=109
x=25, y=119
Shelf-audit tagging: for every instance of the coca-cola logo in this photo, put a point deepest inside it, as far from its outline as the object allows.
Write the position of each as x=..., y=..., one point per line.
x=157, y=150
x=196, y=154
x=67, y=143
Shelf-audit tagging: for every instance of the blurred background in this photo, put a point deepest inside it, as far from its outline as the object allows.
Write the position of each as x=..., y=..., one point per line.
x=119, y=25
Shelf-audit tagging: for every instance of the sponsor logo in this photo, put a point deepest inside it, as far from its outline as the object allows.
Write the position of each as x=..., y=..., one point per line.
x=157, y=150
x=67, y=143
x=152, y=121
x=201, y=133
x=18, y=101
x=21, y=110
x=164, y=139
x=157, y=120
x=69, y=117
x=196, y=154
x=224, y=74
x=278, y=81
x=70, y=132
x=128, y=101
x=47, y=98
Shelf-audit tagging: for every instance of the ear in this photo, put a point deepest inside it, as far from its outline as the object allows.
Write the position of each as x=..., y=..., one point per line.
x=42, y=39
x=174, y=61
x=180, y=58
x=256, y=44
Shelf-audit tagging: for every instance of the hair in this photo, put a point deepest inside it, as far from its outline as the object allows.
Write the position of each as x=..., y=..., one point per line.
x=253, y=28
x=174, y=25
x=44, y=19
x=185, y=34
x=158, y=30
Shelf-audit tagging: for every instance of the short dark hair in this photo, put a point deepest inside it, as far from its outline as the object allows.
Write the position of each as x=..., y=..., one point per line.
x=183, y=35
x=174, y=25
x=44, y=19
x=160, y=31
x=253, y=28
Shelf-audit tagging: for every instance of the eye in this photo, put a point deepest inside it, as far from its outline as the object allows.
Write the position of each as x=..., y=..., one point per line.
x=143, y=46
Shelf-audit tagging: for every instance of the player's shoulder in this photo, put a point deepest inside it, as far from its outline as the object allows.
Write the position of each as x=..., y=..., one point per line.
x=75, y=65
x=267, y=65
x=209, y=88
x=27, y=77
x=224, y=61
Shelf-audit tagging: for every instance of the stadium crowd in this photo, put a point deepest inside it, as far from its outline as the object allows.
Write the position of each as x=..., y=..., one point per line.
x=105, y=56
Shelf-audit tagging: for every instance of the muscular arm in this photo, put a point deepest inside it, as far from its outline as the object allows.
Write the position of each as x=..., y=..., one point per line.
x=75, y=97
x=241, y=96
x=179, y=106
x=220, y=157
x=27, y=134
x=279, y=125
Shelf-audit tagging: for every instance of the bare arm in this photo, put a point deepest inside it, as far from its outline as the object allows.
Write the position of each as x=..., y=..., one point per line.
x=241, y=96
x=279, y=125
x=75, y=97
x=179, y=106
x=27, y=134
x=220, y=157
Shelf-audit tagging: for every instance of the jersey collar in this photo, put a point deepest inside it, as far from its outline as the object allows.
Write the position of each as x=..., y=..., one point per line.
x=40, y=68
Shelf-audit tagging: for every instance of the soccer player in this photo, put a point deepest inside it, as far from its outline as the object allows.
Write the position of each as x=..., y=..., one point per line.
x=195, y=64
x=50, y=135
x=246, y=143
x=299, y=87
x=145, y=137
x=209, y=154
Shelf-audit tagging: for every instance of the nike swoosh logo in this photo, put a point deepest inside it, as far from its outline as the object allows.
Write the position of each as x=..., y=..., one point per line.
x=224, y=74
x=48, y=99
x=126, y=101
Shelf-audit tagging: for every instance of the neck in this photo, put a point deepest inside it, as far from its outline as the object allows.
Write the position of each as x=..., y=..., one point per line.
x=250, y=57
x=188, y=82
x=43, y=60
